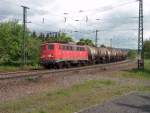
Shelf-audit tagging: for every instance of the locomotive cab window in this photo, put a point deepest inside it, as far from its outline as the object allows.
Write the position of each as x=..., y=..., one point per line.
x=60, y=46
x=78, y=48
x=43, y=47
x=50, y=46
x=82, y=48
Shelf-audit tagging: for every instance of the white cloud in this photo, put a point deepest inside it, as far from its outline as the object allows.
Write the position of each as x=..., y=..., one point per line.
x=115, y=15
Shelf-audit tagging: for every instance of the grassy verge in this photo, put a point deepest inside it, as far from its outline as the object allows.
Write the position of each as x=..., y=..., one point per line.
x=8, y=68
x=67, y=100
x=78, y=96
x=139, y=73
x=17, y=68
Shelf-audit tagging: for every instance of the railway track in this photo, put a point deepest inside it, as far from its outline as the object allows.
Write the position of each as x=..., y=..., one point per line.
x=39, y=73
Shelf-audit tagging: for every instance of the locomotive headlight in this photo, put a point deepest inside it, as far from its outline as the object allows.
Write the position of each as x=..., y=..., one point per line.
x=49, y=55
x=43, y=56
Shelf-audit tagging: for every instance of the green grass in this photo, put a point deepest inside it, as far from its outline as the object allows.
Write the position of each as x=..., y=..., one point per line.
x=139, y=73
x=17, y=68
x=66, y=100
x=78, y=96
x=8, y=68
x=70, y=99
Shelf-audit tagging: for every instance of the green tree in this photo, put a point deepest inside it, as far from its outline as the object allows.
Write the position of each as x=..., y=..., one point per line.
x=47, y=35
x=60, y=37
x=103, y=45
x=34, y=35
x=10, y=41
x=83, y=41
x=11, y=44
x=147, y=49
x=33, y=50
x=132, y=54
x=42, y=37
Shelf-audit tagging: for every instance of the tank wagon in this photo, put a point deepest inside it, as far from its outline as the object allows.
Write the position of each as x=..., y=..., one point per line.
x=60, y=55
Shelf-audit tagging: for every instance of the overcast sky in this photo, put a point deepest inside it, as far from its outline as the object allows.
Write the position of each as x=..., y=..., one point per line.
x=118, y=18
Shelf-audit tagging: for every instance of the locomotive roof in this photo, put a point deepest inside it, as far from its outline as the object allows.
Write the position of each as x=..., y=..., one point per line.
x=63, y=44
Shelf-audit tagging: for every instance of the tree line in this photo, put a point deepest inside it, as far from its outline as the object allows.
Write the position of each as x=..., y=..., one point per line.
x=11, y=34
x=147, y=49
x=11, y=43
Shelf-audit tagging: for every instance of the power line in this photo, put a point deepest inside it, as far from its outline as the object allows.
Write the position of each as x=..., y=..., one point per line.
x=110, y=8
x=101, y=9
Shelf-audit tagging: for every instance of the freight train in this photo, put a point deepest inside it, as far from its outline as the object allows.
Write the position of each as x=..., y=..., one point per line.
x=58, y=55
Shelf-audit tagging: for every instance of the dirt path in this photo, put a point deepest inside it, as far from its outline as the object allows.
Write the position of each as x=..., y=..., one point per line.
x=132, y=103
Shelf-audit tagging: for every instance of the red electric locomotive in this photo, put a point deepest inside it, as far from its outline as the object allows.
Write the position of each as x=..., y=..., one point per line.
x=58, y=55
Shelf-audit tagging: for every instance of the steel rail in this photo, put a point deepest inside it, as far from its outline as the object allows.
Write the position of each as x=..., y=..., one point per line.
x=40, y=73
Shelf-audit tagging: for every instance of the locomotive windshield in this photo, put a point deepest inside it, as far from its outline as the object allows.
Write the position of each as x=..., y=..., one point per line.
x=50, y=46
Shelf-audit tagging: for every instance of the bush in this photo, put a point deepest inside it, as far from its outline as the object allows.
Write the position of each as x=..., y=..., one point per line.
x=147, y=49
x=132, y=54
x=11, y=45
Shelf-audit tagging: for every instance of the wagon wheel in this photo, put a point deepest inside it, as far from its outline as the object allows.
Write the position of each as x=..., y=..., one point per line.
x=59, y=65
x=93, y=62
x=83, y=63
x=79, y=64
x=90, y=62
x=104, y=60
x=86, y=63
x=47, y=66
x=68, y=65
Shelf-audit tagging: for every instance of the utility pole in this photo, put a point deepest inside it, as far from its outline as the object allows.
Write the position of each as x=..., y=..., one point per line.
x=24, y=59
x=140, y=37
x=96, y=38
